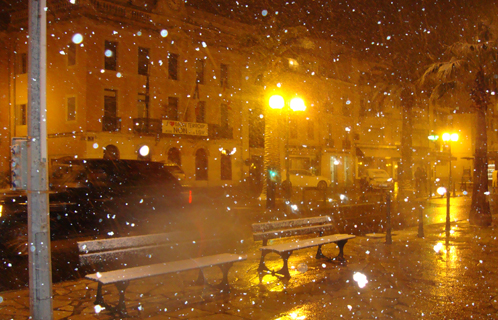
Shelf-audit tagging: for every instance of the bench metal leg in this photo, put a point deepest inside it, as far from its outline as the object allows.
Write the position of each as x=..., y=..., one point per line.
x=341, y=244
x=262, y=267
x=121, y=308
x=224, y=282
x=200, y=279
x=340, y=256
x=285, y=269
x=319, y=254
x=99, y=300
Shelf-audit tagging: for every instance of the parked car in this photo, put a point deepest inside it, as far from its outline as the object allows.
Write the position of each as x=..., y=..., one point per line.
x=377, y=179
x=304, y=178
x=177, y=172
x=95, y=196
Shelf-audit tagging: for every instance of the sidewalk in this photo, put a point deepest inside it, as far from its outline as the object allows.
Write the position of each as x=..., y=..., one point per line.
x=406, y=280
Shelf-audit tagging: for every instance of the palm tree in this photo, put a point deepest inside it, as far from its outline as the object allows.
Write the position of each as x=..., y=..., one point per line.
x=388, y=87
x=271, y=46
x=472, y=67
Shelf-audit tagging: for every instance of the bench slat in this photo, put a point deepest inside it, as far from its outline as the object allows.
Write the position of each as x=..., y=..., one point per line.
x=293, y=232
x=109, y=256
x=164, y=268
x=126, y=242
x=268, y=226
x=307, y=243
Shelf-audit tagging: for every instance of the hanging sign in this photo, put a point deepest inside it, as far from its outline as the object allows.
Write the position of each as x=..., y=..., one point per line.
x=180, y=127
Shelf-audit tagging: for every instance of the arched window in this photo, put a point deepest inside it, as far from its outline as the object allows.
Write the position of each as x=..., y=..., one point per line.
x=174, y=156
x=201, y=165
x=111, y=152
x=226, y=167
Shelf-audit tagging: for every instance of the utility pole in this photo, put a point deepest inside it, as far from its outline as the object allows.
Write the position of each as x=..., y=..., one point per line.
x=40, y=267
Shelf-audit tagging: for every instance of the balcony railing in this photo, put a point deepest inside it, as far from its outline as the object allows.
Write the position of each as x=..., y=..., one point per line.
x=147, y=125
x=111, y=123
x=61, y=8
x=220, y=132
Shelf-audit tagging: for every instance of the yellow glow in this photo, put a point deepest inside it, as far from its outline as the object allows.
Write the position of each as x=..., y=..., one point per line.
x=144, y=150
x=1, y=209
x=450, y=136
x=441, y=190
x=297, y=104
x=276, y=102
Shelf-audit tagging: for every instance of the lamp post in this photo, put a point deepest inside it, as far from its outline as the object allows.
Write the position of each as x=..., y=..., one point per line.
x=448, y=138
x=295, y=104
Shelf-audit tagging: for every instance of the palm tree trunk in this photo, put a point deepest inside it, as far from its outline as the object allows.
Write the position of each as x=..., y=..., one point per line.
x=480, y=213
x=406, y=141
x=271, y=148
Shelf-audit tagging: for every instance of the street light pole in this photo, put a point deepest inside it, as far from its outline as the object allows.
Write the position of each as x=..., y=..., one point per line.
x=40, y=264
x=447, y=137
x=296, y=104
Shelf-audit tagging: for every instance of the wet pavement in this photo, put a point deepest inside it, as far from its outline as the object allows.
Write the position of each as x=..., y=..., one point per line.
x=413, y=278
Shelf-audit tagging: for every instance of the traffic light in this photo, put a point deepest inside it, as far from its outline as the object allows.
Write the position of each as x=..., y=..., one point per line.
x=19, y=164
x=273, y=174
x=271, y=187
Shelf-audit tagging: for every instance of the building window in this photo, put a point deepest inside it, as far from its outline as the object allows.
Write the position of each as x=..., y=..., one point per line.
x=346, y=144
x=22, y=115
x=170, y=111
x=71, y=54
x=223, y=75
x=200, y=112
x=111, y=57
x=71, y=109
x=330, y=136
x=173, y=66
x=256, y=128
x=110, y=122
x=293, y=128
x=174, y=156
x=311, y=130
x=22, y=64
x=346, y=107
x=142, y=106
x=111, y=152
x=226, y=167
x=201, y=165
x=199, y=71
x=143, y=61
x=224, y=115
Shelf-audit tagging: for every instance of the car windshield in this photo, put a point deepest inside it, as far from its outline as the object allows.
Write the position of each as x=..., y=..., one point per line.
x=254, y=159
x=378, y=174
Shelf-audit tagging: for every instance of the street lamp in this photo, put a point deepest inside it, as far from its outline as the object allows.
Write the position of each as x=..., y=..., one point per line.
x=448, y=138
x=295, y=104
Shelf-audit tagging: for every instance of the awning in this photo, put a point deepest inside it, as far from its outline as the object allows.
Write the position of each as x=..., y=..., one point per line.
x=378, y=153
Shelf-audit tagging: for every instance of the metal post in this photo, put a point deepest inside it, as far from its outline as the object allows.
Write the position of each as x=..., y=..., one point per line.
x=448, y=190
x=421, y=221
x=389, y=239
x=40, y=267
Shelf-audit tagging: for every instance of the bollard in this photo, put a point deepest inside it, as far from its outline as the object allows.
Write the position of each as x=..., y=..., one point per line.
x=421, y=222
x=389, y=239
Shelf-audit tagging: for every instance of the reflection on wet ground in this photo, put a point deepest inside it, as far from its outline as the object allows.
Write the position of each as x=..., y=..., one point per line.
x=414, y=278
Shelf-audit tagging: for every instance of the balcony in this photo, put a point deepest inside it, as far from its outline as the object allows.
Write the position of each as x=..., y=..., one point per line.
x=112, y=124
x=64, y=9
x=147, y=126
x=220, y=132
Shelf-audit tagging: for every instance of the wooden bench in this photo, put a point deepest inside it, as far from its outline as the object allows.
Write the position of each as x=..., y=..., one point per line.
x=296, y=227
x=108, y=251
